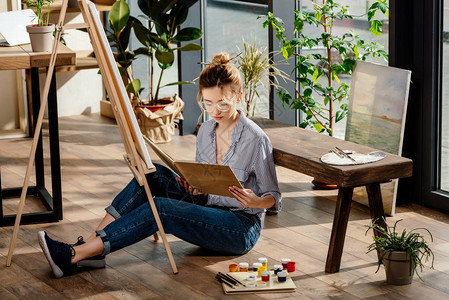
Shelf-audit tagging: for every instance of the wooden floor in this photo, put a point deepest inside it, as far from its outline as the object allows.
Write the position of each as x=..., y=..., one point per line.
x=93, y=171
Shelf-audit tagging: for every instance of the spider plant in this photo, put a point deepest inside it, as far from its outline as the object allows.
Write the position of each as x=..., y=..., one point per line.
x=391, y=240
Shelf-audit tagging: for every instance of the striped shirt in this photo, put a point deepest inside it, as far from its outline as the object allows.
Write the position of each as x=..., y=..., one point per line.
x=250, y=156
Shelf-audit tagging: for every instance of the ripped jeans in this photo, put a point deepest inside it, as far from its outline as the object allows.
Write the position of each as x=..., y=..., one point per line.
x=182, y=214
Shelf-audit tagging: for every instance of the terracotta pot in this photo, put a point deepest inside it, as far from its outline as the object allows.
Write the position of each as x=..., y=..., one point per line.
x=104, y=2
x=41, y=37
x=397, y=268
x=324, y=185
x=162, y=103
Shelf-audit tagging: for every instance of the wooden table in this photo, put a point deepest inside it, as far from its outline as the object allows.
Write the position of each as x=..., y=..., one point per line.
x=300, y=150
x=22, y=57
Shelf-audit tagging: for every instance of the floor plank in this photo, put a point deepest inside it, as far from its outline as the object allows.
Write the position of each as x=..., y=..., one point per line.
x=93, y=172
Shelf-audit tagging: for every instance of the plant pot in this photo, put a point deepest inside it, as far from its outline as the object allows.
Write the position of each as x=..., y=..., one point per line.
x=159, y=126
x=104, y=2
x=162, y=103
x=41, y=37
x=324, y=185
x=397, y=268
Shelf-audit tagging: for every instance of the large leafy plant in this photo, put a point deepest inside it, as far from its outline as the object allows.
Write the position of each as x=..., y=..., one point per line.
x=390, y=240
x=324, y=101
x=160, y=38
x=42, y=16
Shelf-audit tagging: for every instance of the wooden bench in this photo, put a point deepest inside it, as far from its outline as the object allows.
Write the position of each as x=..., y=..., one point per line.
x=300, y=150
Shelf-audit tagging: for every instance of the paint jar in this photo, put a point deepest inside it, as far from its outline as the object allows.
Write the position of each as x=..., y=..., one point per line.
x=256, y=267
x=251, y=284
x=243, y=267
x=261, y=284
x=233, y=267
x=291, y=266
x=282, y=276
x=277, y=268
x=251, y=278
x=264, y=262
x=265, y=275
x=284, y=263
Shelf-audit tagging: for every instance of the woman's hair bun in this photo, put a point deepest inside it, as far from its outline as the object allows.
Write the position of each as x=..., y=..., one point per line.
x=220, y=59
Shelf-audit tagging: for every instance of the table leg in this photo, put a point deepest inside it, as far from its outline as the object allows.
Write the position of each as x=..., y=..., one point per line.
x=376, y=207
x=339, y=226
x=54, y=149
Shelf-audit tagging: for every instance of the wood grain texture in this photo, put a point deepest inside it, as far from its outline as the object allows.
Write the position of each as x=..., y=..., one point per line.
x=300, y=150
x=93, y=172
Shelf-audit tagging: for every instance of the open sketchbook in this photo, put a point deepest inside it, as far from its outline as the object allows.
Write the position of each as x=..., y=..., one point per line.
x=207, y=178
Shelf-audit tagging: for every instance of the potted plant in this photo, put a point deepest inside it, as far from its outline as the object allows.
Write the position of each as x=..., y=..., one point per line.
x=324, y=101
x=160, y=41
x=400, y=252
x=41, y=34
x=258, y=71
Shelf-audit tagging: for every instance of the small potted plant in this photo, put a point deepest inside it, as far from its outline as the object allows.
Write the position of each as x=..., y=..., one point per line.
x=400, y=252
x=41, y=34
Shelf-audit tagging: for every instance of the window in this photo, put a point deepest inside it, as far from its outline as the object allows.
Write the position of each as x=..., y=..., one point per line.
x=444, y=130
x=227, y=24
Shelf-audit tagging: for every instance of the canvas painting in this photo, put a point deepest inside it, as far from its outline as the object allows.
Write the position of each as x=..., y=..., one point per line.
x=376, y=117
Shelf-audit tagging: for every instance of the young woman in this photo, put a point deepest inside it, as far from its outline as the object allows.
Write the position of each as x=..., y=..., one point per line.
x=222, y=224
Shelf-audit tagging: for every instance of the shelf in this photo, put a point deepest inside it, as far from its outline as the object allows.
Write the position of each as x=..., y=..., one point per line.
x=56, y=7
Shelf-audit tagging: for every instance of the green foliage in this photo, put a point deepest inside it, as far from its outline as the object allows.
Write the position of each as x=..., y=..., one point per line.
x=159, y=37
x=256, y=69
x=341, y=53
x=412, y=242
x=42, y=17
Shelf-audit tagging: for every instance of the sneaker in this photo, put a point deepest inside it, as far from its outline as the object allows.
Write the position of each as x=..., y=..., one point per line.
x=58, y=254
x=91, y=262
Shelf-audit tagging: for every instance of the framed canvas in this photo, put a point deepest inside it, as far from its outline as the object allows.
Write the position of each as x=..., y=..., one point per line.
x=376, y=117
x=118, y=83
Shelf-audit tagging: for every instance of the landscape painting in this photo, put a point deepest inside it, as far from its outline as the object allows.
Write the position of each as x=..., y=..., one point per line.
x=376, y=117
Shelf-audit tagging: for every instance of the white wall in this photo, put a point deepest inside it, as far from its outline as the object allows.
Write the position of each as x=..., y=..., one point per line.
x=79, y=92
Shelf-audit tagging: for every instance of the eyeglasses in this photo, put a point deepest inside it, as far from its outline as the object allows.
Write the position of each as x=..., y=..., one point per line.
x=223, y=105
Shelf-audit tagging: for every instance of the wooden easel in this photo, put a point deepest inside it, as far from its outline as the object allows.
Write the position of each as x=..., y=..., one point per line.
x=134, y=156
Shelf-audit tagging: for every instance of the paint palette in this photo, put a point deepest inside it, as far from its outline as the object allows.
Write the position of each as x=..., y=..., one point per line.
x=333, y=159
x=273, y=286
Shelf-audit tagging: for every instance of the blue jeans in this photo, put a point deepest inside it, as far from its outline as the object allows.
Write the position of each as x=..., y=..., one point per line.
x=182, y=214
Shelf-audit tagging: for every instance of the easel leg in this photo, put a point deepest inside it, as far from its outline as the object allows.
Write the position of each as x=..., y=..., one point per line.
x=376, y=207
x=160, y=227
x=38, y=128
x=339, y=226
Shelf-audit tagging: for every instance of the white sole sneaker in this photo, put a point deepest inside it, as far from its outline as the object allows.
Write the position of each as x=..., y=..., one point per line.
x=43, y=243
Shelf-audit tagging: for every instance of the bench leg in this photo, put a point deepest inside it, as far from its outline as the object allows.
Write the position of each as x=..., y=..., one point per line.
x=376, y=207
x=339, y=226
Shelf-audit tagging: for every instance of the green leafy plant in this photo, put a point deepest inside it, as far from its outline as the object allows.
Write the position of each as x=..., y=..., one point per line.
x=390, y=240
x=324, y=102
x=258, y=71
x=159, y=39
x=42, y=16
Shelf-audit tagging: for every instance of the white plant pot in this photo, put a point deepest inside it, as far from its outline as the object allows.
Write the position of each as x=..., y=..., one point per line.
x=41, y=37
x=397, y=268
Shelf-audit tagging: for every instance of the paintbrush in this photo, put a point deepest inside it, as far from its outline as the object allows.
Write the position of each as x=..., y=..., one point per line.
x=221, y=280
x=344, y=153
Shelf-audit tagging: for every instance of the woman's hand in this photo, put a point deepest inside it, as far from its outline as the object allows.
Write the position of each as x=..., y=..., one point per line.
x=189, y=189
x=247, y=198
